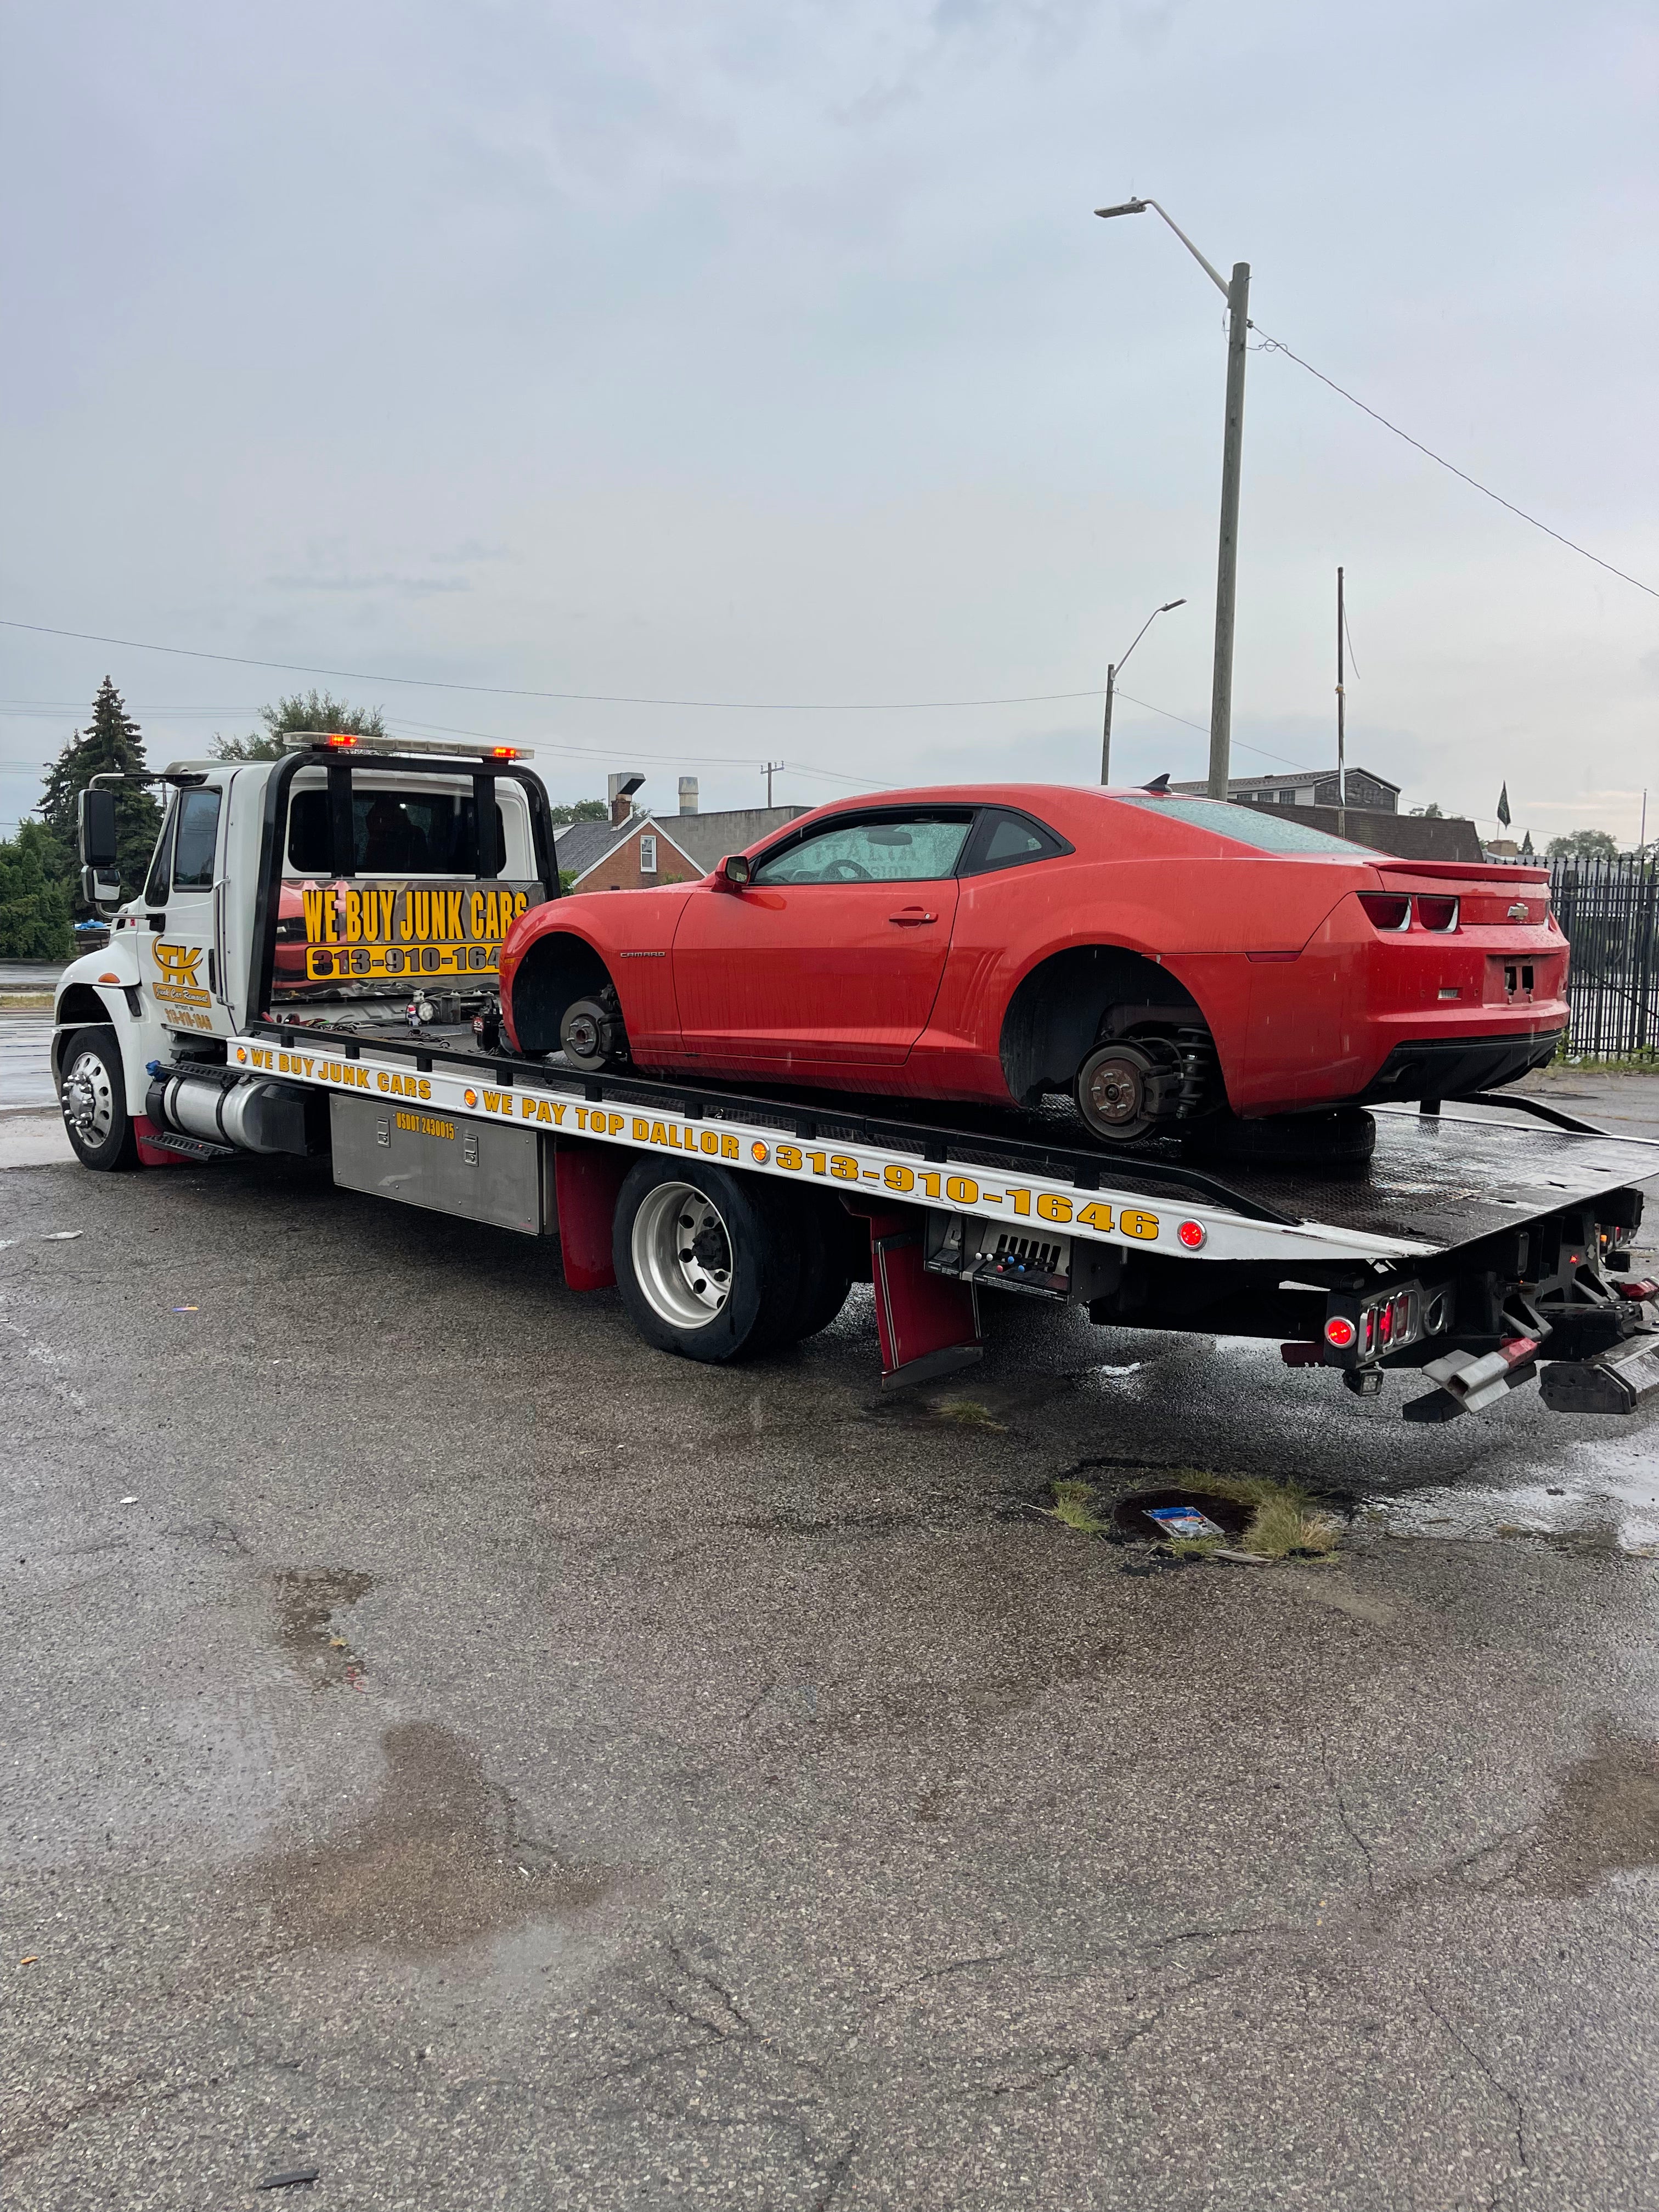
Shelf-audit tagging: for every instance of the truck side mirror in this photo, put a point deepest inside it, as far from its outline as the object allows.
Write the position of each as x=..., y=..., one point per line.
x=99, y=890
x=733, y=871
x=97, y=829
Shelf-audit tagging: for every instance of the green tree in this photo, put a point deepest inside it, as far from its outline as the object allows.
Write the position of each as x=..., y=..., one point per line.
x=1583, y=845
x=1527, y=853
x=302, y=710
x=583, y=810
x=34, y=897
x=111, y=741
x=1430, y=812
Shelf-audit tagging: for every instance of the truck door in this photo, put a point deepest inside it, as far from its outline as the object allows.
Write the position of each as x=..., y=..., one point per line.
x=183, y=953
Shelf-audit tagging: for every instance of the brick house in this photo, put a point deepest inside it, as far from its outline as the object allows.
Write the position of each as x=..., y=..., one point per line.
x=626, y=856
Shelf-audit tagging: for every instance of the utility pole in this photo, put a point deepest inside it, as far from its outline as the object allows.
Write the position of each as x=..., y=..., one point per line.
x=1237, y=296
x=1226, y=582
x=773, y=768
x=1341, y=725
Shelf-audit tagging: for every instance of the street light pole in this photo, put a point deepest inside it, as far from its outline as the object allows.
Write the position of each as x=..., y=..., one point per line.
x=1168, y=607
x=1237, y=296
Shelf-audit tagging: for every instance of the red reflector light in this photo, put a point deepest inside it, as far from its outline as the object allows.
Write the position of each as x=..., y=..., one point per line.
x=1192, y=1234
x=1339, y=1332
x=1437, y=913
x=1386, y=909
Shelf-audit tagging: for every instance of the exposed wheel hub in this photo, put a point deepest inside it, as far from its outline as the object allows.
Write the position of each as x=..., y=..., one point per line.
x=88, y=1097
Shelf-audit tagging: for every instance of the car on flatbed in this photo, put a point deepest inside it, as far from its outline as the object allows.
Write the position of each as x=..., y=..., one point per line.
x=1167, y=962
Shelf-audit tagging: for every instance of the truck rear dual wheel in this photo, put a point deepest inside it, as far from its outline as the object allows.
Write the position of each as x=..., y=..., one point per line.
x=93, y=1098
x=719, y=1266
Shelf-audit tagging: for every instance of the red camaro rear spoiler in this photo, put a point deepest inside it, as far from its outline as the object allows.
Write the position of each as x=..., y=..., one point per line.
x=1480, y=871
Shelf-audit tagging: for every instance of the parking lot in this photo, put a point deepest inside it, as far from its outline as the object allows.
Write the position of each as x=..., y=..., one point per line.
x=458, y=1753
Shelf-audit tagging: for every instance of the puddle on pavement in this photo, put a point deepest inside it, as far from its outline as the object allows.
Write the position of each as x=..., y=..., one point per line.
x=1597, y=1496
x=1604, y=1820
x=307, y=1598
x=439, y=1860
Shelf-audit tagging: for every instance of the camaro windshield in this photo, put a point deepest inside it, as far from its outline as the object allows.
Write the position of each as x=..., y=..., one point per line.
x=1245, y=825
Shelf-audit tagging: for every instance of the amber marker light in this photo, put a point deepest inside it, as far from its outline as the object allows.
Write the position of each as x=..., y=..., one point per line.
x=757, y=1151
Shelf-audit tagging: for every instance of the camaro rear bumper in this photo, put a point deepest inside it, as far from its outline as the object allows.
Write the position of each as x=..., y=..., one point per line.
x=1450, y=1067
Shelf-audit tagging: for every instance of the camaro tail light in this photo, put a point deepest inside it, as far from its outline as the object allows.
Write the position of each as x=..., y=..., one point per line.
x=1437, y=913
x=1386, y=909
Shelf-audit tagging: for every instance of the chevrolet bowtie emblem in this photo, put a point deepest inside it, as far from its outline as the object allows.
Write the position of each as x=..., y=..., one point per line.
x=1517, y=912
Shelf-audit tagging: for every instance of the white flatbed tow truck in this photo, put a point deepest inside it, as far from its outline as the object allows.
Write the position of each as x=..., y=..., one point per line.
x=310, y=968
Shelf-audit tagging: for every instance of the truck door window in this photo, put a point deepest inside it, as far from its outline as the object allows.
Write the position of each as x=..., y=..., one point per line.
x=195, y=841
x=159, y=881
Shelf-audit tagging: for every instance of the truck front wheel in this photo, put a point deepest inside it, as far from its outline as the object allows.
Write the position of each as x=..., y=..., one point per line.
x=93, y=1098
x=704, y=1259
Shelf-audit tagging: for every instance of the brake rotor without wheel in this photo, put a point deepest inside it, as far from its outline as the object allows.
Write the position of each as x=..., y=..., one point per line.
x=1120, y=1089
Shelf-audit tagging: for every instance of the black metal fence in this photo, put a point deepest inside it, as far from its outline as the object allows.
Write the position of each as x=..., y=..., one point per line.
x=1609, y=910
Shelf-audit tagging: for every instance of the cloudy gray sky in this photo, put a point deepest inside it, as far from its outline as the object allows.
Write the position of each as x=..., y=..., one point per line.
x=758, y=350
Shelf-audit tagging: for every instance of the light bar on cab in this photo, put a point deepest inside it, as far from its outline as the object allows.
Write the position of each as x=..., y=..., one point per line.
x=345, y=740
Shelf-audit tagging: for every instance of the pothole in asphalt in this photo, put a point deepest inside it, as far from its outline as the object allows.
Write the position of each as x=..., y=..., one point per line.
x=439, y=1860
x=307, y=1599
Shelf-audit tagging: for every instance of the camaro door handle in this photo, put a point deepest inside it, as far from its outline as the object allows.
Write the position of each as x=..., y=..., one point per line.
x=912, y=917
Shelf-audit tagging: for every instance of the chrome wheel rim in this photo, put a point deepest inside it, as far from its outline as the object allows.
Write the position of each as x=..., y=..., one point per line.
x=682, y=1256
x=89, y=1098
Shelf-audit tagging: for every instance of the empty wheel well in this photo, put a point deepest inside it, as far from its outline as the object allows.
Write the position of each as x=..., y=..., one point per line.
x=1061, y=1007
x=79, y=1008
x=557, y=969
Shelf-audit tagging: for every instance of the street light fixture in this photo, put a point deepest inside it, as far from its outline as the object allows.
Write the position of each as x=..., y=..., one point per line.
x=1237, y=296
x=1169, y=607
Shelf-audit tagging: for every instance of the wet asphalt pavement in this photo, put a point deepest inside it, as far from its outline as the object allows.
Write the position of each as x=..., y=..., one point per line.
x=455, y=1751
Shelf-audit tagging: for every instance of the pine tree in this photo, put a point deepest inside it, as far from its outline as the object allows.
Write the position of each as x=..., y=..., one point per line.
x=302, y=710
x=111, y=741
x=34, y=897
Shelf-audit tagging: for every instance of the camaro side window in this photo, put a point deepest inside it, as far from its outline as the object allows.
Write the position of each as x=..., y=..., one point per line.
x=1010, y=841
x=916, y=850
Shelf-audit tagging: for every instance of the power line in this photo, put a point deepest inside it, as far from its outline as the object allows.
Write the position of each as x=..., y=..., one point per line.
x=1278, y=345
x=580, y=698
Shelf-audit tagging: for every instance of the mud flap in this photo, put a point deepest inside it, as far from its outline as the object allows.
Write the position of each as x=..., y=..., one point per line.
x=585, y=1181
x=928, y=1325
x=150, y=1154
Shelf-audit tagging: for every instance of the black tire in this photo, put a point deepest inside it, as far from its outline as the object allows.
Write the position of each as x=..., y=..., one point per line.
x=826, y=1270
x=93, y=1095
x=732, y=1288
x=1342, y=1137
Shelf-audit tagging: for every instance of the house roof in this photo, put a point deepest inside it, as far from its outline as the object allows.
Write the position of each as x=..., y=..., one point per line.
x=581, y=846
x=1297, y=781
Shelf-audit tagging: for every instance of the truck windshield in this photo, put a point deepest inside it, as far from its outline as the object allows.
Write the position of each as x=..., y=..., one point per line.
x=1246, y=825
x=403, y=833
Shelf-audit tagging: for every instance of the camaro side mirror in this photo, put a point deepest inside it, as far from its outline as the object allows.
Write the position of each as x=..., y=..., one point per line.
x=733, y=871
x=97, y=829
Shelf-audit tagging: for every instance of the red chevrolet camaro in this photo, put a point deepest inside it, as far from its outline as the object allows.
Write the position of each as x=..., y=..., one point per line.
x=1161, y=959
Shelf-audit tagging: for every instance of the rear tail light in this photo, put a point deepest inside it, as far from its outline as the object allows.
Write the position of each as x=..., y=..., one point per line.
x=1386, y=909
x=1437, y=913
x=1339, y=1332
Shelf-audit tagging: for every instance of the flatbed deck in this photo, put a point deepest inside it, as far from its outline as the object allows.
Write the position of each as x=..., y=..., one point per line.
x=1436, y=1182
